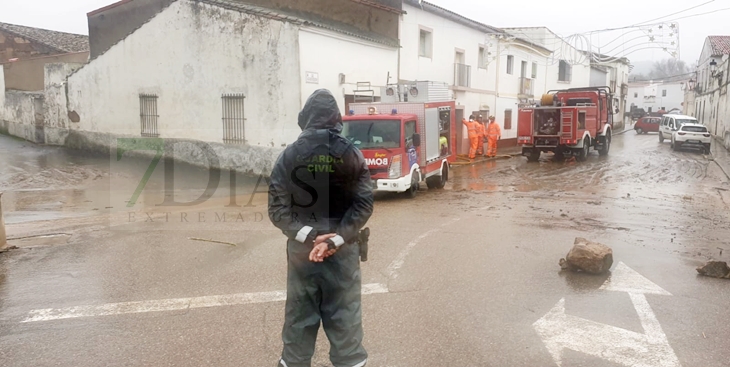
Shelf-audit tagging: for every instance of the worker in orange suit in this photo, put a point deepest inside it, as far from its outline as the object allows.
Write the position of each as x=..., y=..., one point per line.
x=494, y=134
x=472, y=129
x=482, y=131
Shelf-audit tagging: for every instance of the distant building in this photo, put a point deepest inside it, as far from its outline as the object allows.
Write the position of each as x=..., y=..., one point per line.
x=654, y=96
x=20, y=42
x=25, y=50
x=489, y=71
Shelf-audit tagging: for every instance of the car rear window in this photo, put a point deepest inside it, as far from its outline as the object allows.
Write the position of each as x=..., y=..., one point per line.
x=695, y=129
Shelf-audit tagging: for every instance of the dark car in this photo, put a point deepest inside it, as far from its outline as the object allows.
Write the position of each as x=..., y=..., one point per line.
x=647, y=125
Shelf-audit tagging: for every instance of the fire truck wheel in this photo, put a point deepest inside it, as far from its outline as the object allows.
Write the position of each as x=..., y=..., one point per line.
x=438, y=182
x=606, y=146
x=534, y=155
x=413, y=190
x=583, y=152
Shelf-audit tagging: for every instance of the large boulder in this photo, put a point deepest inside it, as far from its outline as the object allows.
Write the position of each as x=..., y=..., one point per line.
x=715, y=269
x=587, y=256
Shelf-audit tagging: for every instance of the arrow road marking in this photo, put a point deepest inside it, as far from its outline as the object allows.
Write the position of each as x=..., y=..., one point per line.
x=174, y=304
x=560, y=331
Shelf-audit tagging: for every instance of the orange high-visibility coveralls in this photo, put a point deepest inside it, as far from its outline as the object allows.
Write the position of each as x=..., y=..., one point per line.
x=494, y=133
x=472, y=128
x=482, y=130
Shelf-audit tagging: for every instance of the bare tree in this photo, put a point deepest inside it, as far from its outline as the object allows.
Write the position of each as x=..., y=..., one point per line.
x=668, y=68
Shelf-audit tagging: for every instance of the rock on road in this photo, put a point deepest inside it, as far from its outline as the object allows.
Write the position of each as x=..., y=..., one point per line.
x=458, y=277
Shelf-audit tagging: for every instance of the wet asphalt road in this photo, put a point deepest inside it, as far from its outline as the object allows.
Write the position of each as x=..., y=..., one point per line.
x=468, y=270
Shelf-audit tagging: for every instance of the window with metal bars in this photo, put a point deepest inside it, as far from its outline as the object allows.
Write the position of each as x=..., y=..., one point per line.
x=148, y=115
x=234, y=119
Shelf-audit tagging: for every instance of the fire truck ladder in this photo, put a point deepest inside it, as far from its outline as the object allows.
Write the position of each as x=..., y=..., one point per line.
x=566, y=124
x=364, y=93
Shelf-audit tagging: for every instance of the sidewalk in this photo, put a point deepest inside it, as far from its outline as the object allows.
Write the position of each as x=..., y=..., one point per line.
x=721, y=157
x=503, y=153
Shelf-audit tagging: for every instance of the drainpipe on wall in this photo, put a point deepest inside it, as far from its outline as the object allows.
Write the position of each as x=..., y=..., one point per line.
x=496, y=85
x=3, y=239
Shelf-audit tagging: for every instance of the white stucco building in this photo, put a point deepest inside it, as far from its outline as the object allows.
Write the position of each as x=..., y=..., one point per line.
x=221, y=72
x=655, y=96
x=709, y=100
x=566, y=67
x=490, y=72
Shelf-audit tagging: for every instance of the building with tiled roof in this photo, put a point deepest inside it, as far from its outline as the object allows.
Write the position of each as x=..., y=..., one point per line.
x=24, y=52
x=21, y=42
x=720, y=44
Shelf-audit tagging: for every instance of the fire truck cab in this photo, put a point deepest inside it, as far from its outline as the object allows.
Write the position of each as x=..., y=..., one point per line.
x=404, y=143
x=570, y=121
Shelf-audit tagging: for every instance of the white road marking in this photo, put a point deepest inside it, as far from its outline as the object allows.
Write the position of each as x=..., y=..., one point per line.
x=398, y=262
x=625, y=279
x=174, y=304
x=650, y=349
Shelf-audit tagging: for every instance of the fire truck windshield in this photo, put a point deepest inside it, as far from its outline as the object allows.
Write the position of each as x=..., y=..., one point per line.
x=373, y=134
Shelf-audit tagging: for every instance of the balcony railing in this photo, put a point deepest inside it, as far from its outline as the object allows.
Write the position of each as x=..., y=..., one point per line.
x=527, y=87
x=462, y=75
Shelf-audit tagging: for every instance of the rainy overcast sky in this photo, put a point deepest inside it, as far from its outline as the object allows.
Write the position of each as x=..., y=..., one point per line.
x=564, y=17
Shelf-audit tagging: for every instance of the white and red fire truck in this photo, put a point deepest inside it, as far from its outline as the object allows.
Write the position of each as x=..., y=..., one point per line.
x=404, y=143
x=570, y=121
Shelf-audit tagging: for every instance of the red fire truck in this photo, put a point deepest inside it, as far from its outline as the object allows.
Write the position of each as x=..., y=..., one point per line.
x=404, y=143
x=570, y=121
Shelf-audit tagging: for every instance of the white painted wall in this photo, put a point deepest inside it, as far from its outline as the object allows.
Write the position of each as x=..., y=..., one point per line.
x=645, y=95
x=509, y=84
x=599, y=78
x=448, y=36
x=189, y=55
x=561, y=50
x=491, y=87
x=330, y=54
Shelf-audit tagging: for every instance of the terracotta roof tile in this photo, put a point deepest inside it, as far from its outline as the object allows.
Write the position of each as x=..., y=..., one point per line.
x=63, y=42
x=720, y=45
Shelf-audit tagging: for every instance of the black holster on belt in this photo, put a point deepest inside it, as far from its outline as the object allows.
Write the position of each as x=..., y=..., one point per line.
x=362, y=241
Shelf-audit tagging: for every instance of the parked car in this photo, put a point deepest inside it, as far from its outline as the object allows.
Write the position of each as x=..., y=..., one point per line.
x=692, y=136
x=647, y=125
x=672, y=123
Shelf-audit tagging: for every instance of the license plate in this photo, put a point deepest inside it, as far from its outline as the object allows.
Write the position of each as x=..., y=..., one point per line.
x=693, y=141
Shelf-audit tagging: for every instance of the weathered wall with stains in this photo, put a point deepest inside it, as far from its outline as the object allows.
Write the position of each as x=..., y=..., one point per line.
x=360, y=16
x=27, y=75
x=207, y=52
x=21, y=115
x=57, y=119
x=111, y=24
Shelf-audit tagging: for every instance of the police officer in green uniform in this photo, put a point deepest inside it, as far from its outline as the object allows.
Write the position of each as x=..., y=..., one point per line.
x=320, y=196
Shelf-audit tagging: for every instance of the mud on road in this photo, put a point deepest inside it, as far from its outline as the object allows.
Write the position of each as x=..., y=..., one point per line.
x=467, y=269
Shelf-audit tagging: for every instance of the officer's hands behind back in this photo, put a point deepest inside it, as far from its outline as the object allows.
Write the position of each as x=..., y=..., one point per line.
x=321, y=251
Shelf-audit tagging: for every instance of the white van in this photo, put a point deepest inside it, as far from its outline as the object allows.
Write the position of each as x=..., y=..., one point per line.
x=672, y=123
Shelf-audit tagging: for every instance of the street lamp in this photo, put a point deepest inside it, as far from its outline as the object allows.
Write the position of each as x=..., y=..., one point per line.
x=713, y=67
x=691, y=84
